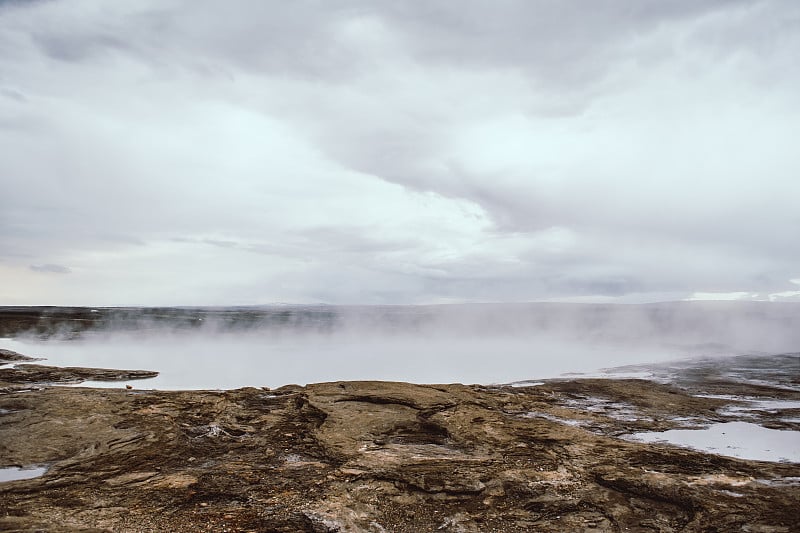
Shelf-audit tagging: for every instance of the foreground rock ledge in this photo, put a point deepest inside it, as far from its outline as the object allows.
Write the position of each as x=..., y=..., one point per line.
x=376, y=457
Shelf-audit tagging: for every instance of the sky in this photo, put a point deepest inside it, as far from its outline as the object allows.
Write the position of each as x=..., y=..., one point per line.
x=193, y=152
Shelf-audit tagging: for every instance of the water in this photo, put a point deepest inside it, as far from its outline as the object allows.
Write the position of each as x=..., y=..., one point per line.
x=232, y=360
x=742, y=440
x=14, y=473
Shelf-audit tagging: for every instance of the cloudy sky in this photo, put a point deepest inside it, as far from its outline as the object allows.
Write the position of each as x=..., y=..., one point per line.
x=200, y=152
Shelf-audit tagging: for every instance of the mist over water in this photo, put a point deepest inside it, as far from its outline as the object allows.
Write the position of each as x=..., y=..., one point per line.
x=230, y=348
x=197, y=360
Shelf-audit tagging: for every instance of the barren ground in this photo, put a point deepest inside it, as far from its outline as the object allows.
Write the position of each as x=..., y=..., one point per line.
x=386, y=457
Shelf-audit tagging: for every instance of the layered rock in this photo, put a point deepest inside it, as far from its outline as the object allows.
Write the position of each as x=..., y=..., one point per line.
x=376, y=457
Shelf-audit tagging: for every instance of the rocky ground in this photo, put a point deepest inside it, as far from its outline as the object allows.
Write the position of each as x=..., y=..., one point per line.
x=385, y=457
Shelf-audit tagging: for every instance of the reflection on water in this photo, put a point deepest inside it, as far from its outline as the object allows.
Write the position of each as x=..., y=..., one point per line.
x=733, y=439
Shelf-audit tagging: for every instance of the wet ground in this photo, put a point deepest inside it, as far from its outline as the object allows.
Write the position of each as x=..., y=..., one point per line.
x=555, y=455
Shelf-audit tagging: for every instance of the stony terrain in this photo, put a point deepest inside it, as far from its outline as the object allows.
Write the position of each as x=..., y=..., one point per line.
x=379, y=457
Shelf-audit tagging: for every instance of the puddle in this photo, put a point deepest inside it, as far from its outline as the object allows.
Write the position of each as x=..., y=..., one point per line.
x=527, y=383
x=742, y=440
x=749, y=403
x=755, y=409
x=15, y=473
x=765, y=405
x=730, y=397
x=610, y=373
x=109, y=384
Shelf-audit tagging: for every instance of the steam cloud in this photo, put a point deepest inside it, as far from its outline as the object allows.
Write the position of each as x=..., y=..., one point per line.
x=234, y=347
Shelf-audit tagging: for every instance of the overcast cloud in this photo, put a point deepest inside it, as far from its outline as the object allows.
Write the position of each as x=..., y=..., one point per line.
x=201, y=152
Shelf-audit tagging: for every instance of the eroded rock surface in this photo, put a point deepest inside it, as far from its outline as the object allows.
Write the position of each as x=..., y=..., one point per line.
x=378, y=457
x=9, y=356
x=32, y=374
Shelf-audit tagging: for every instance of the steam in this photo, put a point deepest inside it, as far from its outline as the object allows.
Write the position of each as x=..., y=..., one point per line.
x=272, y=346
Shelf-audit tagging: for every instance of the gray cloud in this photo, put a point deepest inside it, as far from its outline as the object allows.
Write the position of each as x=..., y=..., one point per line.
x=565, y=43
x=13, y=94
x=400, y=152
x=51, y=269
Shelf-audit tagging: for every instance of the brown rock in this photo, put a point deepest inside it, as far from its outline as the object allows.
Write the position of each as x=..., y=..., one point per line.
x=373, y=457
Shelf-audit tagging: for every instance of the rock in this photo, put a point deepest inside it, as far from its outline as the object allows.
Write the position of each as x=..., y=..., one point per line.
x=373, y=457
x=29, y=373
x=9, y=356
